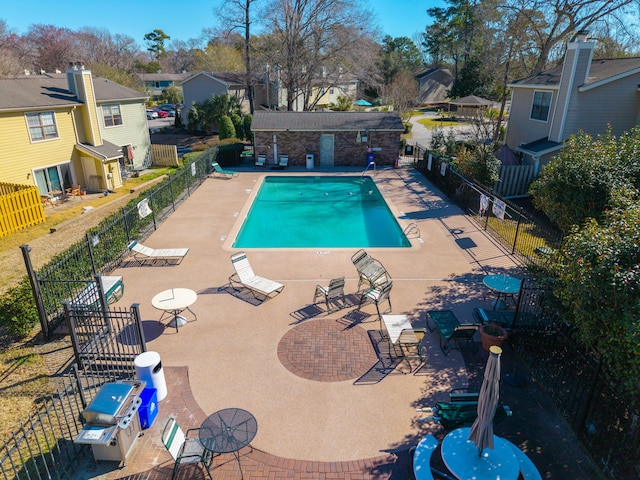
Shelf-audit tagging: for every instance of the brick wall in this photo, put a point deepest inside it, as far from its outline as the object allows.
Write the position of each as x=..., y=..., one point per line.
x=347, y=152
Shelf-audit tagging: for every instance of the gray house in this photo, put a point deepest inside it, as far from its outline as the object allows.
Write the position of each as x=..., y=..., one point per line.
x=582, y=94
x=434, y=84
x=332, y=138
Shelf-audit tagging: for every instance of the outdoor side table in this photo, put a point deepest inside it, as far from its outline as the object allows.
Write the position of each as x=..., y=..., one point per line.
x=228, y=431
x=175, y=301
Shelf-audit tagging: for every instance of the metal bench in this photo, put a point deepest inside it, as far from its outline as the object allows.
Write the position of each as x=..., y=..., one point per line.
x=89, y=296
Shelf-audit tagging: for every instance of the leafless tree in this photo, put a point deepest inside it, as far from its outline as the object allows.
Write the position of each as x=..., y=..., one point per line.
x=552, y=22
x=402, y=93
x=309, y=38
x=236, y=15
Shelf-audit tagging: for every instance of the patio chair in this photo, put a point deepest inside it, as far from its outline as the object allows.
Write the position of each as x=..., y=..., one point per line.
x=245, y=278
x=412, y=338
x=47, y=201
x=261, y=160
x=284, y=161
x=75, y=191
x=219, y=171
x=377, y=295
x=143, y=255
x=370, y=271
x=331, y=293
x=461, y=410
x=184, y=449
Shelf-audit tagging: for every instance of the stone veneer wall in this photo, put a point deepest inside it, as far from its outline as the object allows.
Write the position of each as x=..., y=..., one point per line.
x=347, y=152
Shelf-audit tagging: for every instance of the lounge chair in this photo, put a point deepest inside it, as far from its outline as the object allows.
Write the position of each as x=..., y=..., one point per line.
x=142, y=254
x=219, y=171
x=261, y=160
x=260, y=287
x=284, y=161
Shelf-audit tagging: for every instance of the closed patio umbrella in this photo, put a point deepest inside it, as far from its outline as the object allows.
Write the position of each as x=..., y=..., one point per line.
x=481, y=433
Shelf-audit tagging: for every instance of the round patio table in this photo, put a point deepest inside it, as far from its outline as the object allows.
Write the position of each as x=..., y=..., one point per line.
x=503, y=285
x=460, y=455
x=175, y=301
x=228, y=431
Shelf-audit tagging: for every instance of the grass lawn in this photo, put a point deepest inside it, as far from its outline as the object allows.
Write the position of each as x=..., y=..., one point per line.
x=432, y=123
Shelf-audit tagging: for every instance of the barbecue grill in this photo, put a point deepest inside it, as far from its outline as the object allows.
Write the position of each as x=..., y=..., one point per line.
x=112, y=423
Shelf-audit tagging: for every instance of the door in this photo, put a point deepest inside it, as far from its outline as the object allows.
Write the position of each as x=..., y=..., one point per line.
x=326, y=150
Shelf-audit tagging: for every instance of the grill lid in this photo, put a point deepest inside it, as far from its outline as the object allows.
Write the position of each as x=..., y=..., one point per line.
x=106, y=405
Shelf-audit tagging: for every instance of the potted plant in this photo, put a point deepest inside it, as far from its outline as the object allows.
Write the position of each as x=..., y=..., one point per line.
x=492, y=334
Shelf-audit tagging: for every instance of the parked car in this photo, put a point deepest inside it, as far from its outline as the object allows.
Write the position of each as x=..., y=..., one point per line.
x=160, y=113
x=151, y=114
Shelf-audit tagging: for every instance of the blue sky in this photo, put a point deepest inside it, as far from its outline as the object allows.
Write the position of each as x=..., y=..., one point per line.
x=181, y=20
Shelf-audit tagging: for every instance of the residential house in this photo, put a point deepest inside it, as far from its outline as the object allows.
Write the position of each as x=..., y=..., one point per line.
x=156, y=83
x=267, y=90
x=434, y=85
x=327, y=139
x=582, y=94
x=65, y=129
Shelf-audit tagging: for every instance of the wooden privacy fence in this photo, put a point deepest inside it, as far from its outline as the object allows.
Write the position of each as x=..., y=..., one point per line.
x=164, y=155
x=514, y=180
x=20, y=208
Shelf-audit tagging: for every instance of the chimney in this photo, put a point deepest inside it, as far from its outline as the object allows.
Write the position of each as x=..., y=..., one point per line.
x=581, y=36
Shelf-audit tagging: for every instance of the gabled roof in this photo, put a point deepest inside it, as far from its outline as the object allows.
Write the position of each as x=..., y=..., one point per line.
x=104, y=152
x=326, y=121
x=471, y=101
x=51, y=91
x=237, y=79
x=159, y=77
x=601, y=71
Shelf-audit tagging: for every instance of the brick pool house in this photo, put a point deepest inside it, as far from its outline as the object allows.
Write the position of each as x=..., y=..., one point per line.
x=325, y=139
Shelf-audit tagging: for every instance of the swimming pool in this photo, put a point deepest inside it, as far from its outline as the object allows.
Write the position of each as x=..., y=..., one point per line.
x=319, y=211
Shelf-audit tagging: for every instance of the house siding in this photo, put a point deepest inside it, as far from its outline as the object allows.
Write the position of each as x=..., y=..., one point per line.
x=198, y=89
x=15, y=143
x=90, y=122
x=527, y=129
x=616, y=104
x=574, y=74
x=133, y=131
x=347, y=152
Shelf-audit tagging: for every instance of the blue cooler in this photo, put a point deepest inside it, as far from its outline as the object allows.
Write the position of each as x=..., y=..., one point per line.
x=148, y=410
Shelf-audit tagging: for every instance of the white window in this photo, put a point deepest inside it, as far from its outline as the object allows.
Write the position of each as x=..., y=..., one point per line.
x=42, y=126
x=541, y=105
x=111, y=114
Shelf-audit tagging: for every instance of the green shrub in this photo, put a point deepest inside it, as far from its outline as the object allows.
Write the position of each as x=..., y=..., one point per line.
x=227, y=130
x=246, y=127
x=18, y=314
x=237, y=124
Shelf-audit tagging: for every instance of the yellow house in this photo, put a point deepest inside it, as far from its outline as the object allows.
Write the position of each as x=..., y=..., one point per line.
x=64, y=129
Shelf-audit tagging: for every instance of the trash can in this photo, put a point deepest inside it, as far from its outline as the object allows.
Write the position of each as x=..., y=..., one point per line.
x=148, y=410
x=310, y=161
x=149, y=369
x=371, y=160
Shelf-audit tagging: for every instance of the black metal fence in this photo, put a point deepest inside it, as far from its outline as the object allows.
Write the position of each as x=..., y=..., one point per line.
x=517, y=229
x=43, y=447
x=603, y=414
x=105, y=246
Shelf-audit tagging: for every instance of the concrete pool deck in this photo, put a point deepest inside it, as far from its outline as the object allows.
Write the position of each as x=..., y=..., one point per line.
x=326, y=410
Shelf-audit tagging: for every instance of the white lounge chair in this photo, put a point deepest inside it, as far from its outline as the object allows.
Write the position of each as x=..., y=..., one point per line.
x=284, y=161
x=261, y=160
x=142, y=254
x=245, y=278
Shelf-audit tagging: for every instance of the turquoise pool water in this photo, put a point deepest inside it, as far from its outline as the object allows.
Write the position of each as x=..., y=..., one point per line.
x=319, y=212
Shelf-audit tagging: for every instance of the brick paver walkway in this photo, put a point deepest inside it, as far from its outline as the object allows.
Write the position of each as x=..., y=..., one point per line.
x=327, y=351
